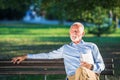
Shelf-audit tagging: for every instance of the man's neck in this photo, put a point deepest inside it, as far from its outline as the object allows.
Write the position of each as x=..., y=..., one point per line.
x=77, y=42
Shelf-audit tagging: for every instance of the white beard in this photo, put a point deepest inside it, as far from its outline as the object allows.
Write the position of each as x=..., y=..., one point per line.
x=75, y=38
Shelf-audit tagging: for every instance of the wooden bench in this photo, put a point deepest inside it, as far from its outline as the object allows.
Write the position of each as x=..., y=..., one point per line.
x=44, y=66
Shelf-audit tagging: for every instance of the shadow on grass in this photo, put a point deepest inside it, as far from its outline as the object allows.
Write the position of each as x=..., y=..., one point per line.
x=107, y=46
x=9, y=51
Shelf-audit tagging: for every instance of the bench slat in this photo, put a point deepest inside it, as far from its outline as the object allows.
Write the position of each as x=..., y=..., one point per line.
x=34, y=61
x=31, y=72
x=34, y=67
x=108, y=66
x=108, y=72
x=108, y=60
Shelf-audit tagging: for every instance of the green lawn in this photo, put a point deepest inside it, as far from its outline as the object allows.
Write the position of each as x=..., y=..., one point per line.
x=37, y=33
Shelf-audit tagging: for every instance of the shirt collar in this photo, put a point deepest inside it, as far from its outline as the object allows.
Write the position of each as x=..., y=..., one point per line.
x=80, y=43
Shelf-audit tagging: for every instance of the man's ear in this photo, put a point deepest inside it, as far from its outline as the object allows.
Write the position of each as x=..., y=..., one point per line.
x=83, y=33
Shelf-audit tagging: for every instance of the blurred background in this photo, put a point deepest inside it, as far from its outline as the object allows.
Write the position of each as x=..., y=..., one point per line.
x=35, y=26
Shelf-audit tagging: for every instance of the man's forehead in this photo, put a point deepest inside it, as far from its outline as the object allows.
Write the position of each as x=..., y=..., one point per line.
x=77, y=25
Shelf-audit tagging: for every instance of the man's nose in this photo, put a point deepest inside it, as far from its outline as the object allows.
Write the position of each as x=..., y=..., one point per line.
x=74, y=32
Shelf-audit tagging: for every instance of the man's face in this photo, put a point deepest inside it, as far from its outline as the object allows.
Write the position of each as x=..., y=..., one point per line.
x=76, y=33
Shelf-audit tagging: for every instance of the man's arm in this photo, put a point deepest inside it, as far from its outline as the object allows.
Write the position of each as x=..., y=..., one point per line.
x=55, y=54
x=51, y=55
x=99, y=65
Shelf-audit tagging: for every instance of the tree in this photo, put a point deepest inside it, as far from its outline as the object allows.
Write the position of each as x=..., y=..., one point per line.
x=95, y=12
x=100, y=21
x=55, y=9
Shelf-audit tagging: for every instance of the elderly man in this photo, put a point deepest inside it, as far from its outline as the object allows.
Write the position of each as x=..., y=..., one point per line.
x=82, y=60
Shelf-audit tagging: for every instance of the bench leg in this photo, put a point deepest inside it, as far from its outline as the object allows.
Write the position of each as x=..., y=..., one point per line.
x=105, y=77
x=45, y=77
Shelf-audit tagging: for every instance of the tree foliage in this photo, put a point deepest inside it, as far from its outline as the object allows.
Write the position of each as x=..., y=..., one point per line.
x=95, y=12
x=58, y=9
x=100, y=21
x=73, y=9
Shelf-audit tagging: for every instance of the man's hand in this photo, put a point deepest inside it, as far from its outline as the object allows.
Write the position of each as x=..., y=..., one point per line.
x=18, y=59
x=87, y=65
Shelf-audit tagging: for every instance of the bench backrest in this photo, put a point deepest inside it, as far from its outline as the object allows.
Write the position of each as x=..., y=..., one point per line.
x=44, y=66
x=109, y=66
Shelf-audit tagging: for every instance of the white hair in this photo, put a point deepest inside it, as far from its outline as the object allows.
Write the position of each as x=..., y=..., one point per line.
x=78, y=24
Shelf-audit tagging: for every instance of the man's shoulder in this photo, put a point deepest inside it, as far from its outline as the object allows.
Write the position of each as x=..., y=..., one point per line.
x=90, y=44
x=67, y=45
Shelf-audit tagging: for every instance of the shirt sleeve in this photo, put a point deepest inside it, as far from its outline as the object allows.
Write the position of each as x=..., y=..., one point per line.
x=98, y=65
x=55, y=54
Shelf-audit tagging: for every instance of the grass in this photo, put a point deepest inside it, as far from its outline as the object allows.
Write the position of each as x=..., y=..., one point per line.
x=18, y=39
x=36, y=32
